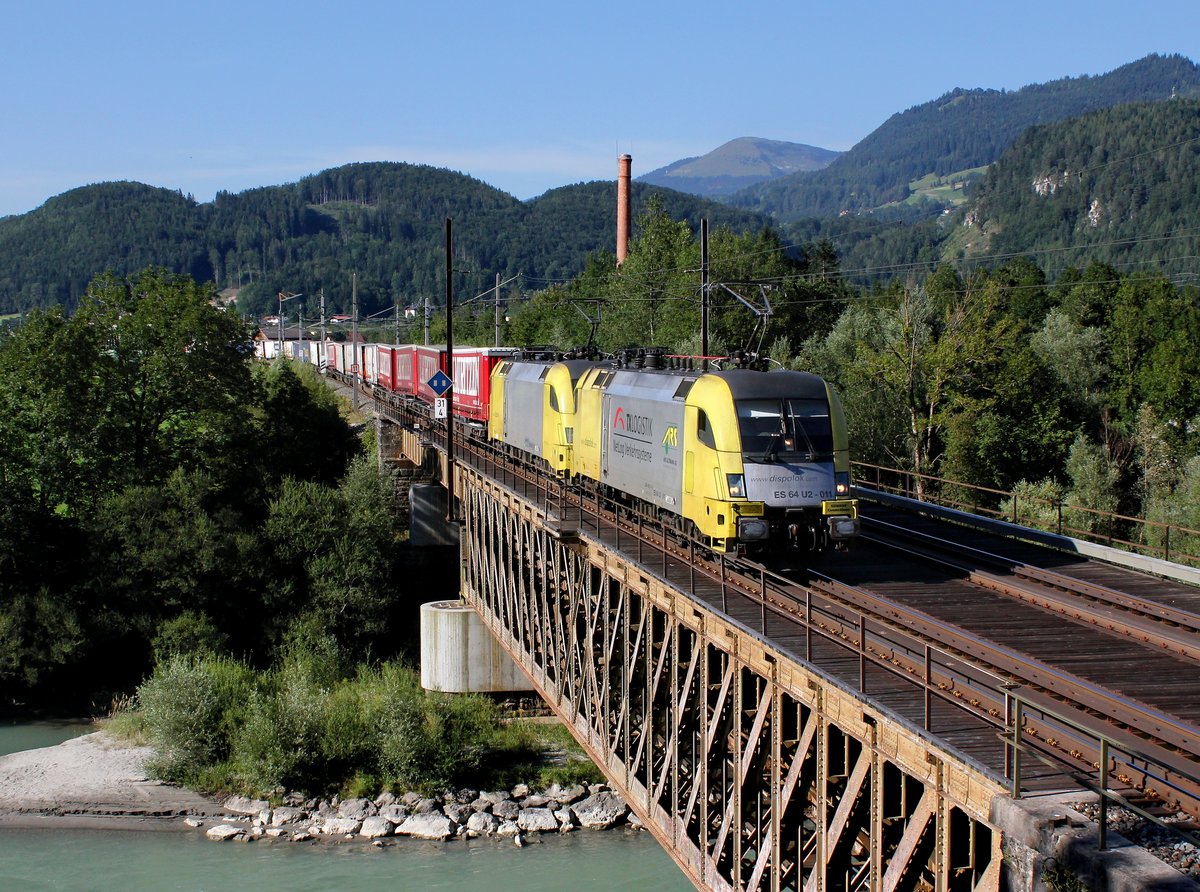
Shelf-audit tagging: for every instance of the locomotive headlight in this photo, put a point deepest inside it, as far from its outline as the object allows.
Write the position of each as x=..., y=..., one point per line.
x=841, y=482
x=737, y=485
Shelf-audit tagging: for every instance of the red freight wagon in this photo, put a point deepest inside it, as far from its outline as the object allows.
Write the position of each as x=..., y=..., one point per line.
x=405, y=369
x=428, y=362
x=473, y=377
x=385, y=366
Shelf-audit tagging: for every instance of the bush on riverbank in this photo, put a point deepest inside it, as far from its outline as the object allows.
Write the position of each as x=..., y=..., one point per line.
x=309, y=725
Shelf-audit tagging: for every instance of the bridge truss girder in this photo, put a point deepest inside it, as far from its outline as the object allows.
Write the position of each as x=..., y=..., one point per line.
x=754, y=771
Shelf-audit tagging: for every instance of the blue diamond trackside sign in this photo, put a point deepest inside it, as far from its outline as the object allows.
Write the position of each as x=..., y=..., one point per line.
x=440, y=383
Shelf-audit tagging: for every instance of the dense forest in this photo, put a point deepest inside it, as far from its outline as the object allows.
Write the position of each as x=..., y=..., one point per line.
x=961, y=130
x=159, y=490
x=1102, y=186
x=383, y=221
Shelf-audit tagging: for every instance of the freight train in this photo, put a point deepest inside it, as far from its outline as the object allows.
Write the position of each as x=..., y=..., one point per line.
x=743, y=459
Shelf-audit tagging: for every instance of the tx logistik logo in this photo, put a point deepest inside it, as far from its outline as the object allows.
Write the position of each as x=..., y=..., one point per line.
x=632, y=424
x=670, y=439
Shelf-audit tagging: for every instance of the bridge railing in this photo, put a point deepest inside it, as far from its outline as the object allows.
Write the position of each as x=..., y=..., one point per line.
x=1171, y=542
x=1133, y=771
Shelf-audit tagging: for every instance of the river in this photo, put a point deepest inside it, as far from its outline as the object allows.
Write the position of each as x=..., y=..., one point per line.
x=87, y=860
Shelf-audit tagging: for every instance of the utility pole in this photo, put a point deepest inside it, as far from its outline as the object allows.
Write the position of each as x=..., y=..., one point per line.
x=497, y=344
x=427, y=320
x=323, y=358
x=397, y=322
x=450, y=370
x=354, y=335
x=704, y=293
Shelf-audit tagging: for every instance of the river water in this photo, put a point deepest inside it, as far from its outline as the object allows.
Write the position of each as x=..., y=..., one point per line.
x=133, y=861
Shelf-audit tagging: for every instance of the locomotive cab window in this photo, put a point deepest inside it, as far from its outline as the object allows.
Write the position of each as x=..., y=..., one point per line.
x=785, y=430
x=704, y=431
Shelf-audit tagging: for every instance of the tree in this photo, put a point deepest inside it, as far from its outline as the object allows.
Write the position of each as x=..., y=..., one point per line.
x=337, y=549
x=170, y=384
x=933, y=362
x=302, y=432
x=654, y=296
x=42, y=556
x=47, y=432
x=133, y=443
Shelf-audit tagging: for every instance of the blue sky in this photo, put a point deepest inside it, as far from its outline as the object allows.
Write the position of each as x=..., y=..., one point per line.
x=523, y=95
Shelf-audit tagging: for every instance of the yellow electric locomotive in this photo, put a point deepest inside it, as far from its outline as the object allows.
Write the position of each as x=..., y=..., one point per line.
x=747, y=460
x=532, y=406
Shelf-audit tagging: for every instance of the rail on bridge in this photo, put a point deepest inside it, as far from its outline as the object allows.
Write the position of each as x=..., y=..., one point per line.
x=753, y=769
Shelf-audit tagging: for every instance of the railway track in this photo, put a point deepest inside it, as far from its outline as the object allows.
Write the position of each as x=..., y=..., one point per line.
x=1122, y=613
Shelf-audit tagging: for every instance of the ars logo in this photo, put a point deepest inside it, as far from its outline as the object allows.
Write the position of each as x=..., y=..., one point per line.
x=670, y=439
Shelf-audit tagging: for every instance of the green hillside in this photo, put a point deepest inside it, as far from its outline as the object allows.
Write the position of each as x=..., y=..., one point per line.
x=384, y=221
x=960, y=130
x=1121, y=186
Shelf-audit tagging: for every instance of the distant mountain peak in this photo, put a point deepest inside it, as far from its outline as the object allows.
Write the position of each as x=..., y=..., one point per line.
x=737, y=164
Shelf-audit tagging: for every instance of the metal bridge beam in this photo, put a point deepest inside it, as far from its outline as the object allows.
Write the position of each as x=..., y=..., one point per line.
x=753, y=770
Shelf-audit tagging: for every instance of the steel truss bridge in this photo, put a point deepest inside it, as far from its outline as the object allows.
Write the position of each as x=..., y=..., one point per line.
x=756, y=769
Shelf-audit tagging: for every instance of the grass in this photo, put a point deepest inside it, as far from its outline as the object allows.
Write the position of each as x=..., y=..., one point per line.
x=947, y=189
x=536, y=753
x=126, y=724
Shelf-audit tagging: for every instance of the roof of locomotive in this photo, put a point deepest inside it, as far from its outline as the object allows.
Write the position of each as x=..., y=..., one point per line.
x=749, y=384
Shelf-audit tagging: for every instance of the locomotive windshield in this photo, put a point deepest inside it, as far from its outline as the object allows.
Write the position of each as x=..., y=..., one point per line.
x=785, y=430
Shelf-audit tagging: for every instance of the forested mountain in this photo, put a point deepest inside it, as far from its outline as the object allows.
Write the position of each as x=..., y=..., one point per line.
x=1120, y=186
x=49, y=255
x=385, y=221
x=961, y=130
x=737, y=165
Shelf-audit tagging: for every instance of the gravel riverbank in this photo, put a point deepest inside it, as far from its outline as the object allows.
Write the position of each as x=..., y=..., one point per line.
x=93, y=781
x=91, y=777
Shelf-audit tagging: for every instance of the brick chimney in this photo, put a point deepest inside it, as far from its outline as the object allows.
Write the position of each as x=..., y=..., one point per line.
x=624, y=165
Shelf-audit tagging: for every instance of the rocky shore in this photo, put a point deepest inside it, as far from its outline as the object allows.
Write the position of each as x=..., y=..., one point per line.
x=467, y=813
x=93, y=779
